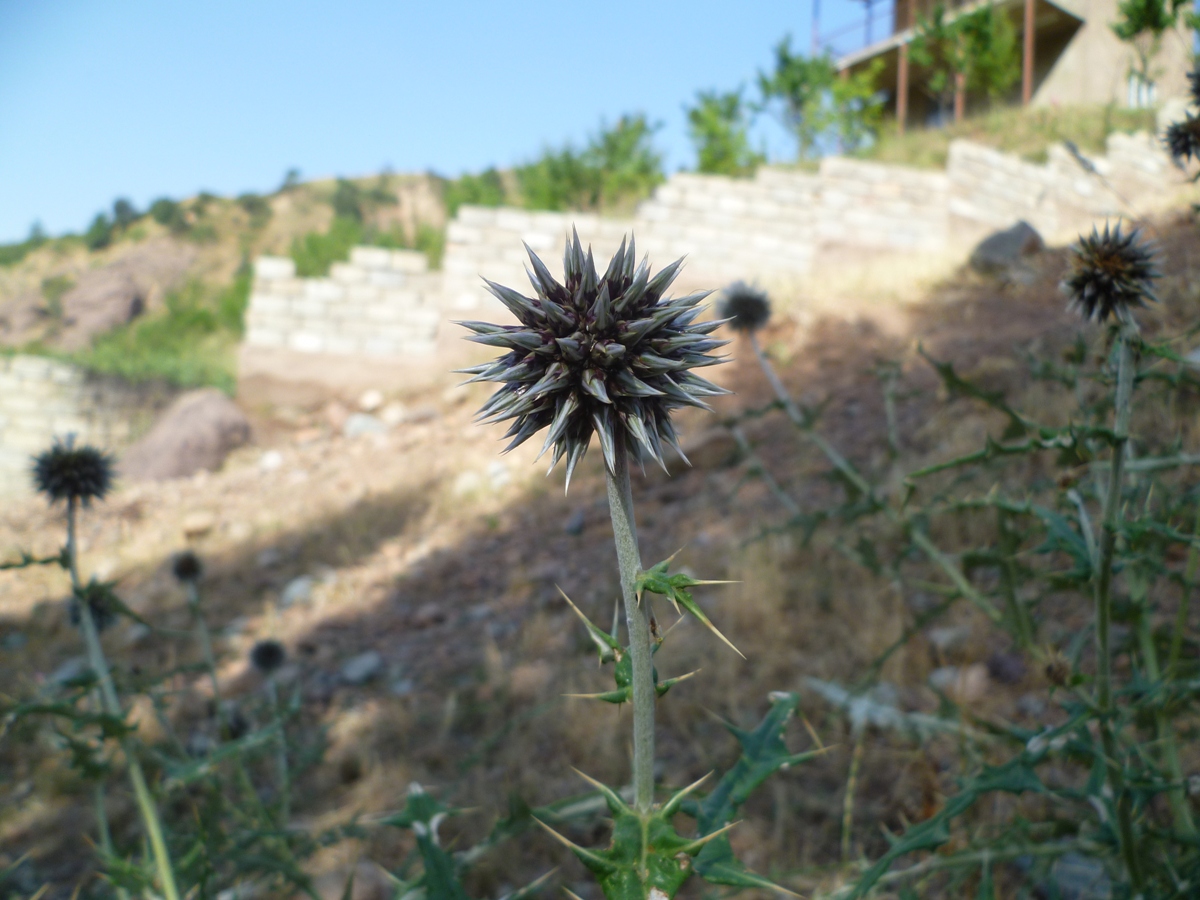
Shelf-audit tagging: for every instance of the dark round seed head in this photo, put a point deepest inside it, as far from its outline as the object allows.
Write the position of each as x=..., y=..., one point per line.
x=67, y=472
x=747, y=307
x=267, y=656
x=606, y=354
x=1183, y=139
x=1194, y=85
x=186, y=567
x=1111, y=272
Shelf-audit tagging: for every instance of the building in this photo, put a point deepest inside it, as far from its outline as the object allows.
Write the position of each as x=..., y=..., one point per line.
x=1070, y=56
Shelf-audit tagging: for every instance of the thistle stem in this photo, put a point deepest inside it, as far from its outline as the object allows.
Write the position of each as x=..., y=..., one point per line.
x=210, y=661
x=1103, y=598
x=112, y=706
x=637, y=618
x=285, y=780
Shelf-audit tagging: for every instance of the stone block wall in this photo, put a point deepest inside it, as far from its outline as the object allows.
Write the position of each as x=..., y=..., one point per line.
x=43, y=399
x=382, y=303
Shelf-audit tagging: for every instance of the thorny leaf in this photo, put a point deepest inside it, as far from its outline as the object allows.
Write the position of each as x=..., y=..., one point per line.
x=675, y=588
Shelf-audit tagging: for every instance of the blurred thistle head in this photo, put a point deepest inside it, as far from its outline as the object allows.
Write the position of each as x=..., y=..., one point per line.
x=267, y=656
x=67, y=472
x=1194, y=85
x=1111, y=272
x=186, y=567
x=607, y=354
x=1183, y=138
x=99, y=599
x=747, y=308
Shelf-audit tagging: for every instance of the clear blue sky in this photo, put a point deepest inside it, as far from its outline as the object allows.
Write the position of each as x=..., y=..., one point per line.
x=147, y=98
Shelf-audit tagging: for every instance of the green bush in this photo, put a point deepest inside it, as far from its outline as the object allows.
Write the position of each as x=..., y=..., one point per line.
x=256, y=207
x=189, y=343
x=124, y=213
x=315, y=252
x=99, y=234
x=717, y=127
x=11, y=254
x=53, y=290
x=819, y=107
x=166, y=211
x=484, y=189
x=618, y=167
x=347, y=201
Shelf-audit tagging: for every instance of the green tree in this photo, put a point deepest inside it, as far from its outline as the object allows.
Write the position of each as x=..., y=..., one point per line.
x=981, y=47
x=484, y=189
x=1142, y=24
x=99, y=233
x=818, y=106
x=618, y=167
x=124, y=213
x=717, y=127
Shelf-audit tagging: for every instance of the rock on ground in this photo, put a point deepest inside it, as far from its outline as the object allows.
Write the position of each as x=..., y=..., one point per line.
x=196, y=432
x=1002, y=250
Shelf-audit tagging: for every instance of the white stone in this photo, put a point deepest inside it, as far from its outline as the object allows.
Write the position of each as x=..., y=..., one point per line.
x=370, y=257
x=274, y=267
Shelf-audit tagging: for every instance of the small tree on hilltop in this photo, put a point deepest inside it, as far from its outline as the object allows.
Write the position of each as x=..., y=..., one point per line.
x=717, y=127
x=818, y=106
x=1142, y=24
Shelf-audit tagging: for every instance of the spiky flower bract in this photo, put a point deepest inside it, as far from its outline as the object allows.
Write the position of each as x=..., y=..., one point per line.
x=267, y=656
x=601, y=353
x=1111, y=272
x=187, y=567
x=67, y=472
x=1183, y=139
x=747, y=308
x=1194, y=85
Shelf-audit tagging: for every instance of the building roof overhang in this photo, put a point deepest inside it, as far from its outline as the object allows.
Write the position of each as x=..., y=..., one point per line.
x=1048, y=15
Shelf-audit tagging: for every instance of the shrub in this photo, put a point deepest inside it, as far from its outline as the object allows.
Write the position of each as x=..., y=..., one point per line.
x=484, y=189
x=53, y=289
x=347, y=201
x=980, y=46
x=820, y=108
x=99, y=234
x=11, y=254
x=717, y=127
x=167, y=212
x=189, y=343
x=124, y=213
x=256, y=207
x=618, y=167
x=315, y=252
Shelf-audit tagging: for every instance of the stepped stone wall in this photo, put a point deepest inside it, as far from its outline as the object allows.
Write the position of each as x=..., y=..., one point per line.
x=43, y=399
x=779, y=227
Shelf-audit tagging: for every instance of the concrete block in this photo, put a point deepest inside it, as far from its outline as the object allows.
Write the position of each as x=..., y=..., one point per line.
x=410, y=261
x=360, y=294
x=347, y=273
x=264, y=337
x=389, y=278
x=306, y=342
x=323, y=289
x=371, y=257
x=380, y=346
x=267, y=268
x=267, y=303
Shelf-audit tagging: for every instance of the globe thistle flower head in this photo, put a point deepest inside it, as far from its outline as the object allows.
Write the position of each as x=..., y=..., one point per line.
x=67, y=472
x=1183, y=139
x=187, y=567
x=267, y=656
x=605, y=354
x=1111, y=272
x=746, y=308
x=1194, y=85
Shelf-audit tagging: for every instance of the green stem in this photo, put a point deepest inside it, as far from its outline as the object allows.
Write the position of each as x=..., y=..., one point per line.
x=285, y=780
x=210, y=661
x=112, y=705
x=851, y=785
x=637, y=618
x=1103, y=598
